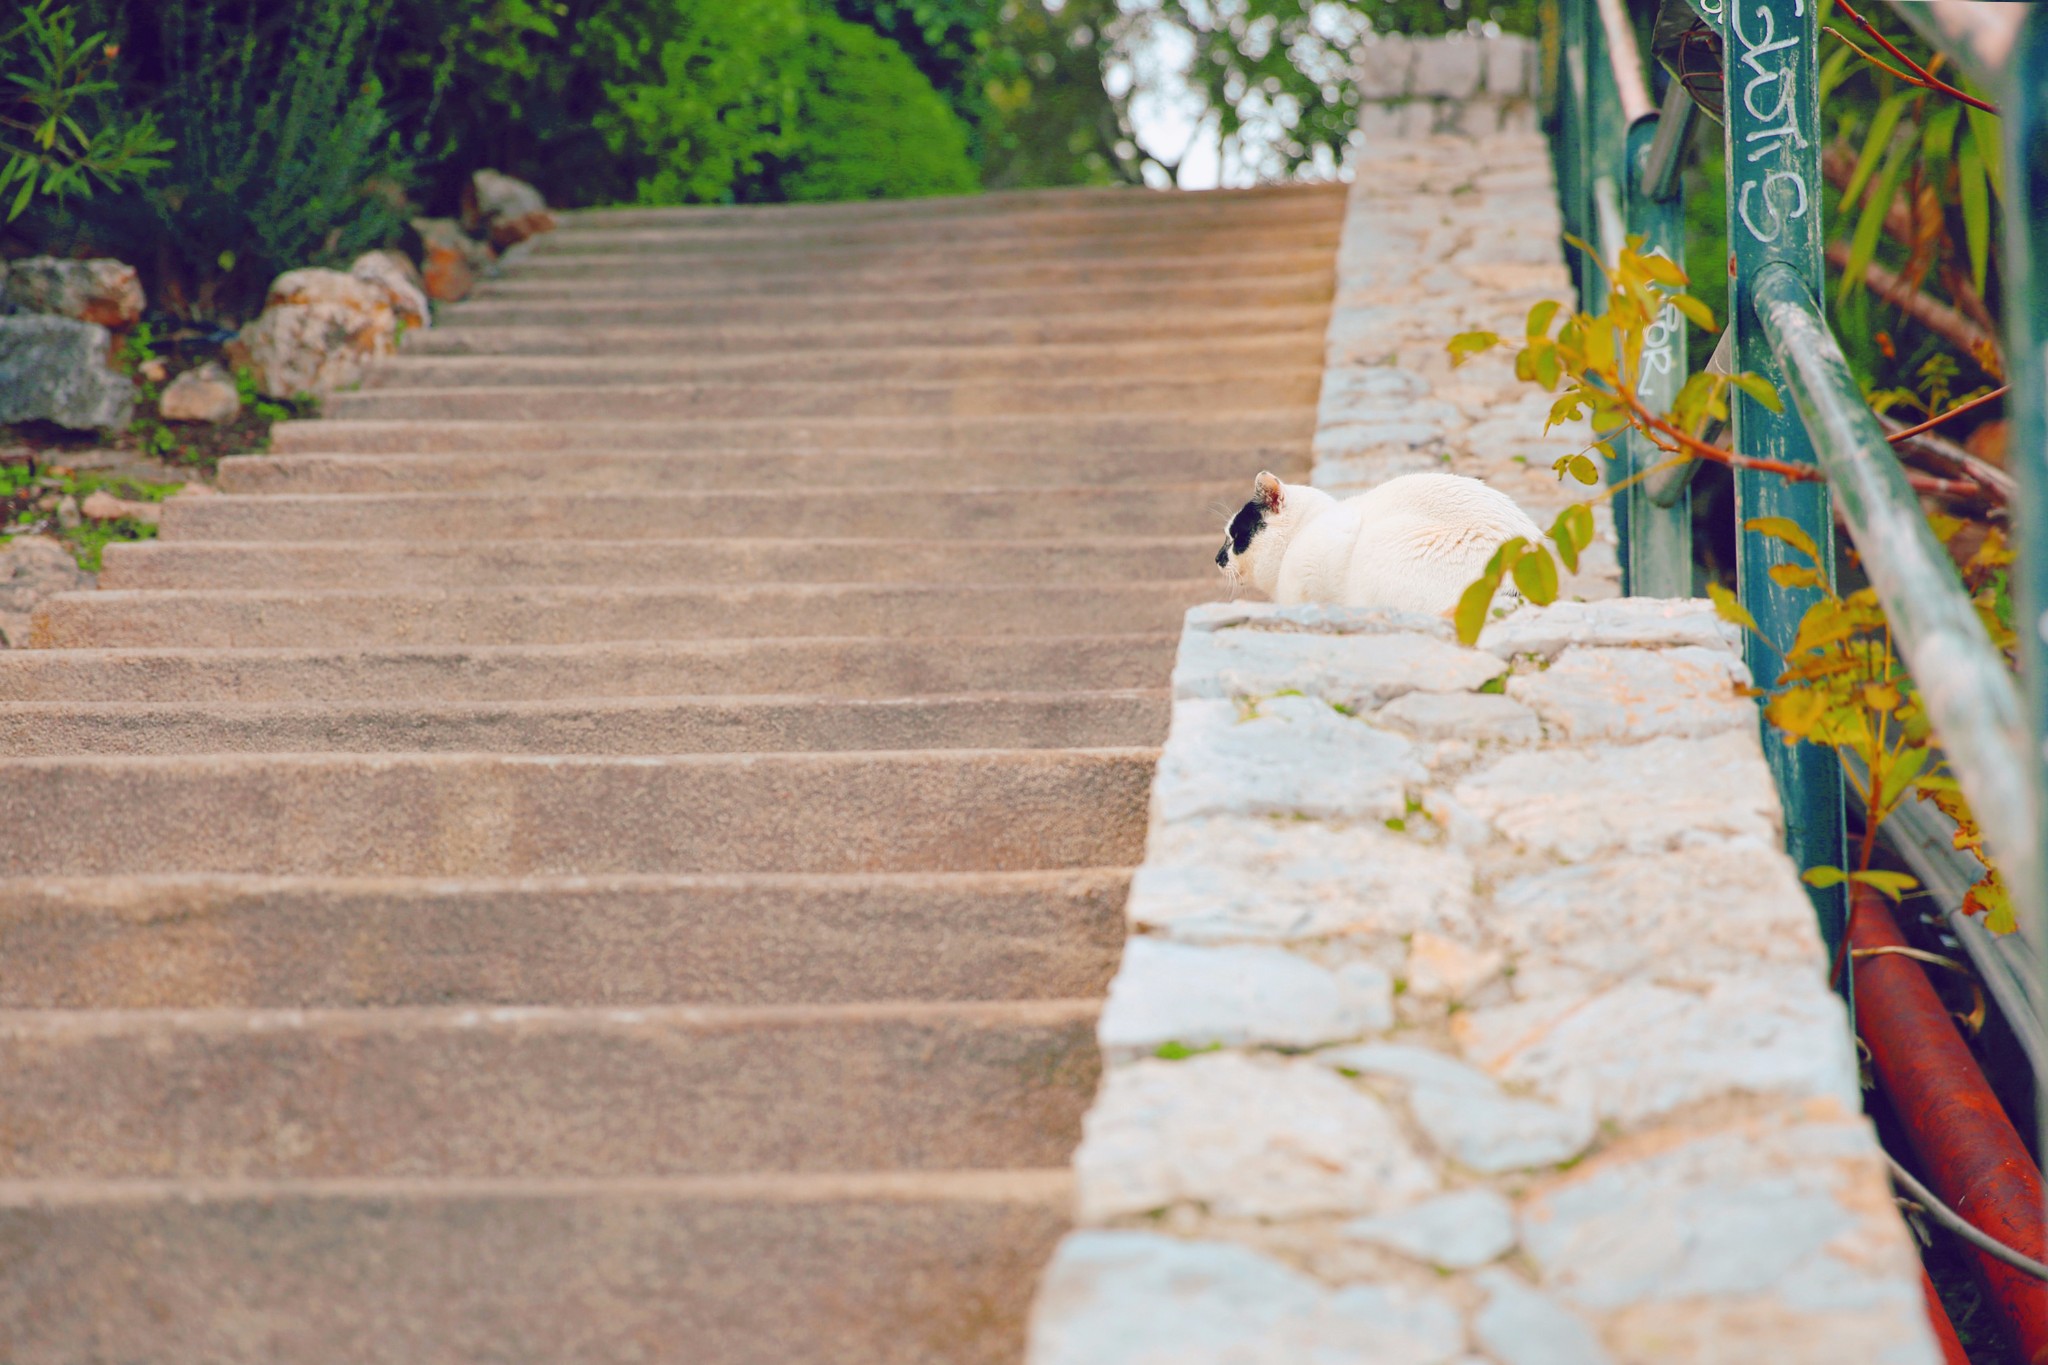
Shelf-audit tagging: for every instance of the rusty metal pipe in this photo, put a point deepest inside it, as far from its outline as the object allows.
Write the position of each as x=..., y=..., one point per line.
x=1972, y=1156
x=1952, y=1352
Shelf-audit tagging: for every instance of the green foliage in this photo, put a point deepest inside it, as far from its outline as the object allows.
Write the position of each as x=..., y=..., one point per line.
x=284, y=157
x=869, y=125
x=62, y=134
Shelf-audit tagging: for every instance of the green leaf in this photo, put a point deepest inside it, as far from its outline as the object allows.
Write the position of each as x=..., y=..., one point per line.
x=1583, y=469
x=1536, y=575
x=1795, y=576
x=1874, y=144
x=1823, y=876
x=1863, y=244
x=1662, y=269
x=1729, y=609
x=1787, y=530
x=1540, y=317
x=1892, y=884
x=1984, y=130
x=1974, y=193
x=1465, y=345
x=1473, y=603
x=1700, y=315
x=1573, y=532
x=1833, y=70
x=1759, y=388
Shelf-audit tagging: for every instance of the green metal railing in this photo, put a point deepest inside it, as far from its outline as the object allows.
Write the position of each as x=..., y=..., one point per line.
x=1617, y=157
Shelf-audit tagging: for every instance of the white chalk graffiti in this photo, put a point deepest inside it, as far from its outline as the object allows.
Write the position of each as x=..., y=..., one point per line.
x=1767, y=201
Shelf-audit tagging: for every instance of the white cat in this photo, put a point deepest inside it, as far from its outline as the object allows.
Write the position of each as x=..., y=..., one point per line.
x=1412, y=544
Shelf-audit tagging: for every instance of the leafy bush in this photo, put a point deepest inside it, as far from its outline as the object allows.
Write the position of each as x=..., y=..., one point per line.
x=57, y=85
x=869, y=126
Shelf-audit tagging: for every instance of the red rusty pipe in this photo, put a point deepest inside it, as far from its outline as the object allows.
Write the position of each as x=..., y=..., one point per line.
x=1968, y=1149
x=1952, y=1352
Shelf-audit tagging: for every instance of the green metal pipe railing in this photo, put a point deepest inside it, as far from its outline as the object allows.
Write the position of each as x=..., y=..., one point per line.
x=1620, y=177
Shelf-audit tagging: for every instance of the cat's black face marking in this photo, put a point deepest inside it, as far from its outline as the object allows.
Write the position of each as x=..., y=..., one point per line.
x=1249, y=521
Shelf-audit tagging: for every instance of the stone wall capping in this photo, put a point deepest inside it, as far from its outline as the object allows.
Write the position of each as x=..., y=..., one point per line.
x=1472, y=1013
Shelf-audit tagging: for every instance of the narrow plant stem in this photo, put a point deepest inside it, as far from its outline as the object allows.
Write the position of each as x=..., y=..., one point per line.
x=1958, y=410
x=1921, y=76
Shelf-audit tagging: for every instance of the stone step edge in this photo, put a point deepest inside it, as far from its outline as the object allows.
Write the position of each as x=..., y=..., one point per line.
x=1020, y=1185
x=582, y=701
x=83, y=889
x=572, y=592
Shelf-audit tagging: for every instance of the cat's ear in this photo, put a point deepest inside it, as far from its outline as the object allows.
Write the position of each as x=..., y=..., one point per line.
x=1267, y=491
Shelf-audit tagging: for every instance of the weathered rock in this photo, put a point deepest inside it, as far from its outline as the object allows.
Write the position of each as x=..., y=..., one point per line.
x=1296, y=756
x=1631, y=694
x=103, y=291
x=1465, y=1112
x=1454, y=1231
x=205, y=394
x=1441, y=968
x=1235, y=995
x=1222, y=879
x=1357, y=672
x=100, y=505
x=55, y=370
x=1246, y=1137
x=399, y=278
x=504, y=210
x=1137, y=1298
x=33, y=568
x=1648, y=622
x=451, y=261
x=1476, y=716
x=1522, y=1326
x=69, y=518
x=320, y=331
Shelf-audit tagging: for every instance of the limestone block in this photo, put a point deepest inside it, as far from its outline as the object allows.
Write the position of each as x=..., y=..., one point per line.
x=1454, y=1231
x=100, y=505
x=1639, y=1050
x=1237, y=995
x=1774, y=1239
x=504, y=210
x=1313, y=619
x=1297, y=756
x=1650, y=622
x=1137, y=1298
x=204, y=394
x=1632, y=694
x=1385, y=67
x=1477, y=716
x=1466, y=1114
x=1246, y=1137
x=1522, y=1326
x=320, y=330
x=1441, y=968
x=1642, y=798
x=1345, y=474
x=1681, y=918
x=1510, y=62
x=1282, y=880
x=1350, y=671
x=55, y=369
x=451, y=261
x=103, y=291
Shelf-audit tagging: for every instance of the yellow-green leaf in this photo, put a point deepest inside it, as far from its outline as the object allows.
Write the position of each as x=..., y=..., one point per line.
x=1729, y=609
x=1697, y=312
x=1540, y=316
x=1573, y=532
x=1795, y=576
x=1536, y=575
x=1973, y=193
x=1990, y=897
x=1823, y=876
x=1583, y=469
x=1796, y=712
x=1892, y=884
x=1470, y=616
x=1787, y=530
x=1465, y=345
x=1759, y=388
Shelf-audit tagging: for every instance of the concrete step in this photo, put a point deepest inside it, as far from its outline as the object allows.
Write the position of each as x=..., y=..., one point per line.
x=1100, y=361
x=449, y=337
x=1244, y=391
x=197, y=942
x=245, y=618
x=387, y=564
x=888, y=1268
x=1052, y=433
x=838, y=666
x=614, y=471
x=692, y=263
x=461, y=815
x=454, y=1091
x=621, y=725
x=1180, y=509
x=1189, y=303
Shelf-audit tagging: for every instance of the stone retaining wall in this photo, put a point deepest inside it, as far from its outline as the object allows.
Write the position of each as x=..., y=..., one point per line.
x=1472, y=1011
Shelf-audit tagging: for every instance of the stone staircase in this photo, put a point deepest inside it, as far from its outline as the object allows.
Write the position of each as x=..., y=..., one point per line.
x=607, y=847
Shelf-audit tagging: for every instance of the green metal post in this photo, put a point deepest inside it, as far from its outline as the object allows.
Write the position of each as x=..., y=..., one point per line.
x=2026, y=323
x=1774, y=208
x=1573, y=136
x=1656, y=558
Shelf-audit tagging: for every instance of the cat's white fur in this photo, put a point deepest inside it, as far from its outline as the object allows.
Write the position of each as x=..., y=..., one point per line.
x=1415, y=543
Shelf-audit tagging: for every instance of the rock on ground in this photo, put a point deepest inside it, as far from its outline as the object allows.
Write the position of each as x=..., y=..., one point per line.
x=31, y=569
x=400, y=279
x=55, y=370
x=320, y=331
x=100, y=505
x=104, y=291
x=451, y=261
x=504, y=210
x=207, y=394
